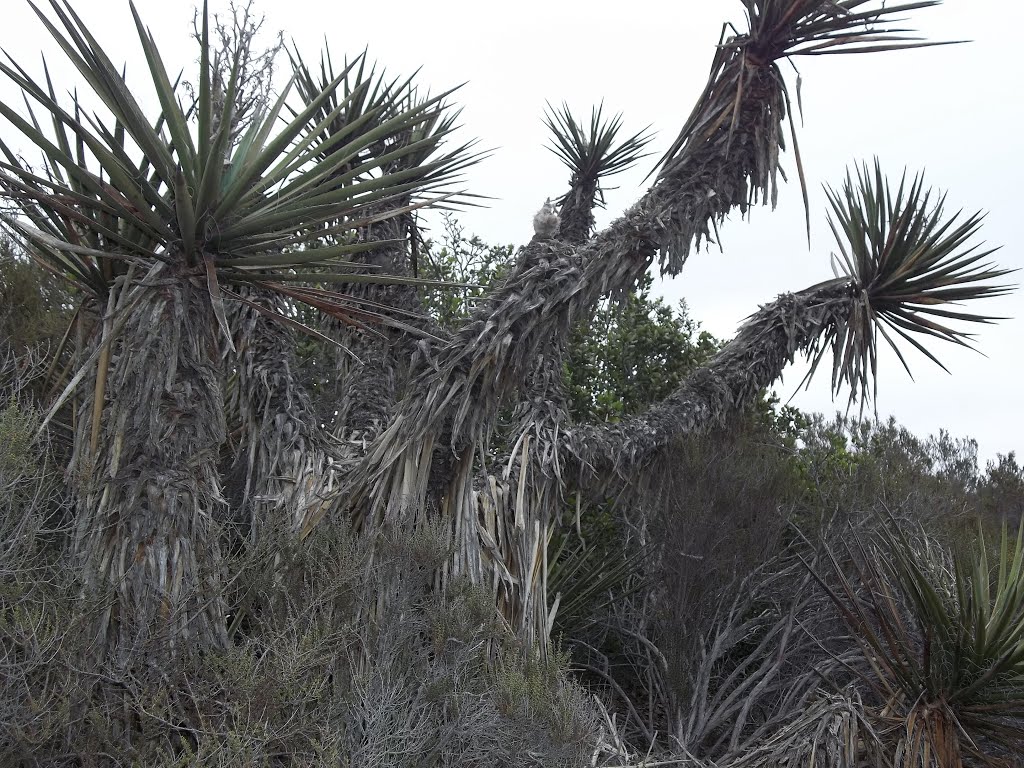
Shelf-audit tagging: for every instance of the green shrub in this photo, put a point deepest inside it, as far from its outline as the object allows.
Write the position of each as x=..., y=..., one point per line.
x=35, y=305
x=17, y=428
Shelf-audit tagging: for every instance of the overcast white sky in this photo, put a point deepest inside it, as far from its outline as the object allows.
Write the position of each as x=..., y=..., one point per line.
x=955, y=111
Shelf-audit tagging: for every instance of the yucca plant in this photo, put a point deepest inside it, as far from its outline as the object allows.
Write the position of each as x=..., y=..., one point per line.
x=591, y=155
x=906, y=263
x=941, y=637
x=152, y=219
x=726, y=157
x=541, y=414
x=290, y=465
x=372, y=371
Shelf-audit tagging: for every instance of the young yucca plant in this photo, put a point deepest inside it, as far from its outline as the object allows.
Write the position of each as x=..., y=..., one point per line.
x=152, y=218
x=591, y=155
x=942, y=638
x=280, y=441
x=420, y=154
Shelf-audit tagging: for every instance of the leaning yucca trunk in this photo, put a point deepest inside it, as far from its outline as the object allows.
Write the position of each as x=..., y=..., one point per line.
x=502, y=514
x=726, y=157
x=501, y=531
x=457, y=398
x=730, y=381
x=453, y=403
x=502, y=523
x=146, y=531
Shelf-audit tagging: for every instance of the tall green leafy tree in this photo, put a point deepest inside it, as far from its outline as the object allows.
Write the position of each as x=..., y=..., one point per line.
x=35, y=304
x=633, y=353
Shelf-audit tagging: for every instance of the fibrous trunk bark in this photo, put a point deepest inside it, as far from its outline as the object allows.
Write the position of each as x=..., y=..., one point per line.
x=375, y=368
x=576, y=216
x=284, y=459
x=149, y=495
x=372, y=371
x=729, y=382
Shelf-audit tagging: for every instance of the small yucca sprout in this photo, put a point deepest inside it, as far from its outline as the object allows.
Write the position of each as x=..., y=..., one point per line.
x=592, y=156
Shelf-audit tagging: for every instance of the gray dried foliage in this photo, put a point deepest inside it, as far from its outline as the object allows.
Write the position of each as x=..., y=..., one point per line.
x=832, y=731
x=35, y=510
x=308, y=682
x=757, y=665
x=234, y=38
x=282, y=455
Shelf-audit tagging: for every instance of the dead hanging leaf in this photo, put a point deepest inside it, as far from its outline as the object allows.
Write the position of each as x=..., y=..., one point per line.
x=217, y=300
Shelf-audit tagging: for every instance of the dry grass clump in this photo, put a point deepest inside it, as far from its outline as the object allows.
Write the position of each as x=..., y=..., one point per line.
x=35, y=628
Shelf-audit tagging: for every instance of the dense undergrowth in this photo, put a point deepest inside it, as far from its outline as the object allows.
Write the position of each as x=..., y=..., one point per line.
x=732, y=611
x=335, y=662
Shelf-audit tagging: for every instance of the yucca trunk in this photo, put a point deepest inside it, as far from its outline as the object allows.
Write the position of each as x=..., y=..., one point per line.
x=367, y=380
x=518, y=504
x=576, y=217
x=516, y=501
x=501, y=526
x=283, y=460
x=373, y=369
x=765, y=344
x=371, y=372
x=150, y=494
